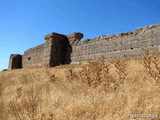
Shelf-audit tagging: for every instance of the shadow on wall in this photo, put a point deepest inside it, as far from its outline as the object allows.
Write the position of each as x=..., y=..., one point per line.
x=61, y=47
x=59, y=44
x=15, y=61
x=67, y=52
x=72, y=39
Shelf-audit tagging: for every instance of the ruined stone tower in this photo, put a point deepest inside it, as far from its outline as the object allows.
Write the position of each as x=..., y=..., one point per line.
x=64, y=49
x=55, y=51
x=15, y=61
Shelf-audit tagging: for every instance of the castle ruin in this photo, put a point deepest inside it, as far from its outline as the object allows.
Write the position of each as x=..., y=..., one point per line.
x=68, y=49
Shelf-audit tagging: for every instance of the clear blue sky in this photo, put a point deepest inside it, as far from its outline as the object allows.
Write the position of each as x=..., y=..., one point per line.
x=23, y=23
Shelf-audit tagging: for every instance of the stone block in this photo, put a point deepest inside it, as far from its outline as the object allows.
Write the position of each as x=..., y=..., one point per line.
x=93, y=46
x=146, y=43
x=134, y=44
x=130, y=39
x=81, y=48
x=77, y=36
x=153, y=49
x=106, y=43
x=120, y=35
x=94, y=51
x=54, y=36
x=106, y=55
x=112, y=42
x=103, y=49
x=127, y=52
x=124, y=40
x=118, y=41
x=111, y=54
x=156, y=40
x=137, y=44
x=137, y=31
x=112, y=47
x=87, y=46
x=120, y=54
x=126, y=46
x=119, y=47
x=108, y=49
x=99, y=50
x=136, y=52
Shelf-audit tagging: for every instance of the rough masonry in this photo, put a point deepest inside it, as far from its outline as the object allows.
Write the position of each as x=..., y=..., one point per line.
x=68, y=49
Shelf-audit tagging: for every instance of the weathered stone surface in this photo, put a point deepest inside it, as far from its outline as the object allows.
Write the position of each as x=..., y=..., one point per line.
x=120, y=34
x=111, y=36
x=128, y=33
x=54, y=36
x=75, y=37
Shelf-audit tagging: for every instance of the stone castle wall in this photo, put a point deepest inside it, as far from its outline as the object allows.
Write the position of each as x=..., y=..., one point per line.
x=122, y=44
x=39, y=55
x=51, y=53
x=61, y=49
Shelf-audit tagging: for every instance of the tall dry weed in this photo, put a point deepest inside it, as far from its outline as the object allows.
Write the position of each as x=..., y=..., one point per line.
x=96, y=73
x=28, y=106
x=2, y=104
x=151, y=63
x=121, y=69
x=71, y=74
x=52, y=77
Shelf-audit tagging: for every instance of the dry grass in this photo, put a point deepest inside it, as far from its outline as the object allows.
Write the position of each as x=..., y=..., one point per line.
x=94, y=91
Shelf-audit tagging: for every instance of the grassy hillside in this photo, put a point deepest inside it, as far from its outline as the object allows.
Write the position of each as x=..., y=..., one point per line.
x=93, y=91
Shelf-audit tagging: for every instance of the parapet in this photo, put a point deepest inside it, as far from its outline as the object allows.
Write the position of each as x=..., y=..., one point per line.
x=54, y=36
x=143, y=29
x=75, y=37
